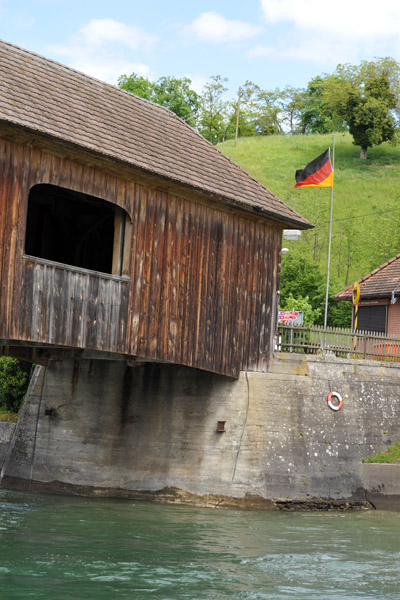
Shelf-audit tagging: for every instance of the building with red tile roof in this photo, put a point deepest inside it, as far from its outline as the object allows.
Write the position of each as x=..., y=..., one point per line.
x=379, y=306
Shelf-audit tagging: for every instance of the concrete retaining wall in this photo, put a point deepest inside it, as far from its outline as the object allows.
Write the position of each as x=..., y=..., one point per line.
x=383, y=484
x=107, y=428
x=6, y=431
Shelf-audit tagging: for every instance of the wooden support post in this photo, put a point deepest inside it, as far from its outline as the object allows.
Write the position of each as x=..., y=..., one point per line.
x=122, y=243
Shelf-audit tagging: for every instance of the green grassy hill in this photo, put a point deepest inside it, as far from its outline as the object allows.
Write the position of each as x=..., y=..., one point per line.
x=366, y=206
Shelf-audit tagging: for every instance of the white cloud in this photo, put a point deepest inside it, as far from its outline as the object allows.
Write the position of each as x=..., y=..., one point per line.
x=213, y=27
x=351, y=19
x=317, y=49
x=347, y=31
x=103, y=49
x=98, y=31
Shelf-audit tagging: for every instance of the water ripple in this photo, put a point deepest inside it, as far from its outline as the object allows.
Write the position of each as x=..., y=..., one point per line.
x=56, y=548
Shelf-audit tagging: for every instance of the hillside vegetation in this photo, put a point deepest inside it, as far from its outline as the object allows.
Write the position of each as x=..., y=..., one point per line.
x=366, y=206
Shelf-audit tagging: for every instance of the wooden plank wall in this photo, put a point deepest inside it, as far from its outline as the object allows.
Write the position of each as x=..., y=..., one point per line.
x=212, y=277
x=68, y=307
x=202, y=283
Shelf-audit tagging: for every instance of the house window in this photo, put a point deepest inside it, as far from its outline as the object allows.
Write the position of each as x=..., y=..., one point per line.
x=372, y=318
x=76, y=229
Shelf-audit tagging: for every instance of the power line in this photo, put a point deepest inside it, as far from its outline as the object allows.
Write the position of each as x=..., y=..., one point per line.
x=380, y=212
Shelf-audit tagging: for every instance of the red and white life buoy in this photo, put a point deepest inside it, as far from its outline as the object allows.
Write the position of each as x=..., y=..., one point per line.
x=335, y=396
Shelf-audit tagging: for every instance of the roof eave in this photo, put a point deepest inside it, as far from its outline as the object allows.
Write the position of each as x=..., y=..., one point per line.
x=285, y=221
x=349, y=297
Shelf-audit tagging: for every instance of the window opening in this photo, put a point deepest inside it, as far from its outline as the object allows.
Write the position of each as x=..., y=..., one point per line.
x=76, y=229
x=372, y=318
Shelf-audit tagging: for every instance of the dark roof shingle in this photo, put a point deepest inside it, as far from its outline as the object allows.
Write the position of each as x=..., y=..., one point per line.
x=44, y=96
x=380, y=283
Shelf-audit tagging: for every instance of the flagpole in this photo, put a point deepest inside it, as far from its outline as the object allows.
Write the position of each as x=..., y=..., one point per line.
x=330, y=238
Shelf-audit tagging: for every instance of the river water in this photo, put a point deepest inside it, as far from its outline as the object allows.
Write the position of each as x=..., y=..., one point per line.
x=60, y=548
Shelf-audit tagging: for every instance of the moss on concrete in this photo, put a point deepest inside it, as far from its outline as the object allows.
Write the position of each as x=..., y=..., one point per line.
x=391, y=455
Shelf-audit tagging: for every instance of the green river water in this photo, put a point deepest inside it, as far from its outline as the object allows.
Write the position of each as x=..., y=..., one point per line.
x=60, y=548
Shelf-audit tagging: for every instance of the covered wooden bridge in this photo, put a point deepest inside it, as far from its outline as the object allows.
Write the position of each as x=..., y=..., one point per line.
x=125, y=234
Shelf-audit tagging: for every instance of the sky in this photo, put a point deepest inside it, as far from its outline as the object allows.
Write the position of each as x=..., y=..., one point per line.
x=273, y=43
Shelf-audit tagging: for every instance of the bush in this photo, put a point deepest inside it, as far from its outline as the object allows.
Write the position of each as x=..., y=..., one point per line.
x=310, y=316
x=339, y=314
x=301, y=278
x=14, y=380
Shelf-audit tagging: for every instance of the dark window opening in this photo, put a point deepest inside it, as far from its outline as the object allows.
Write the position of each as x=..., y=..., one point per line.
x=372, y=318
x=72, y=228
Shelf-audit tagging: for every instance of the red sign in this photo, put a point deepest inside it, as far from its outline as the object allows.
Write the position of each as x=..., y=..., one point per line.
x=288, y=315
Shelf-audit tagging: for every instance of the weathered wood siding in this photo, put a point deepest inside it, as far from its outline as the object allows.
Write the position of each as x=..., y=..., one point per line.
x=67, y=307
x=202, y=284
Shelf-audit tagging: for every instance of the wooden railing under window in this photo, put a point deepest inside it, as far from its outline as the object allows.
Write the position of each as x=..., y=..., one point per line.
x=340, y=342
x=73, y=307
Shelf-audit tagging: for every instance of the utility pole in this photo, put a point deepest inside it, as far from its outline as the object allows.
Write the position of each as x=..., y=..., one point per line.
x=237, y=117
x=330, y=239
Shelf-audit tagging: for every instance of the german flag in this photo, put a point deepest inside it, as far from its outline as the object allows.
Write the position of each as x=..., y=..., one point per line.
x=318, y=173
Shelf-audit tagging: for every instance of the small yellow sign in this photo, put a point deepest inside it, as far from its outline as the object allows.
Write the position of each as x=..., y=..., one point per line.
x=356, y=293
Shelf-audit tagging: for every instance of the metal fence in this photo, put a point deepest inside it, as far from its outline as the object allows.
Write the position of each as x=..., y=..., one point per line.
x=310, y=340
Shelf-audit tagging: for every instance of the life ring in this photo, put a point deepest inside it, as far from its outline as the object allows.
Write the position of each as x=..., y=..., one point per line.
x=337, y=396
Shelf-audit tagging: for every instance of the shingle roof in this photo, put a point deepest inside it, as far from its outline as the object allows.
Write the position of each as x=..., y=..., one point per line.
x=44, y=96
x=380, y=283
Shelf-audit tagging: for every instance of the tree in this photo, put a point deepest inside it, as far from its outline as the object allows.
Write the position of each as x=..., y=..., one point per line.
x=317, y=115
x=260, y=111
x=369, y=114
x=249, y=109
x=268, y=122
x=171, y=92
x=366, y=96
x=138, y=85
x=291, y=101
x=213, y=109
x=250, y=114
x=175, y=94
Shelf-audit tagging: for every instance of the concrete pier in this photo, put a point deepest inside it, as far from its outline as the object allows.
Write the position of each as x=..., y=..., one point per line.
x=150, y=430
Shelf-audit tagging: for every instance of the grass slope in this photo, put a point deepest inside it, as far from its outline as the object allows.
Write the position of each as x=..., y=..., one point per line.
x=366, y=207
